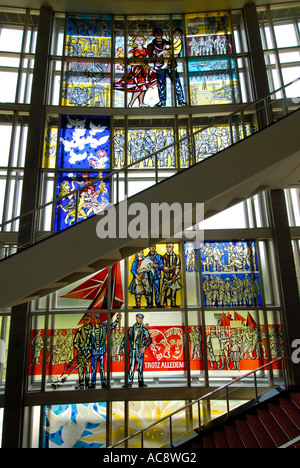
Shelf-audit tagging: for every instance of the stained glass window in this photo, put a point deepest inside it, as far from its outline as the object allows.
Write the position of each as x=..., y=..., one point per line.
x=75, y=426
x=213, y=81
x=230, y=274
x=209, y=34
x=86, y=84
x=158, y=59
x=88, y=36
x=155, y=277
x=84, y=145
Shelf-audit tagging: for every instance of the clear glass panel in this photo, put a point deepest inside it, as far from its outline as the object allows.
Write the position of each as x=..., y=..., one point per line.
x=5, y=136
x=285, y=35
x=26, y=77
x=8, y=85
x=288, y=57
x=54, y=87
x=11, y=39
x=289, y=74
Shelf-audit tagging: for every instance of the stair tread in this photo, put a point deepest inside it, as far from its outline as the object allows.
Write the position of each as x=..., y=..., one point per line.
x=284, y=420
x=261, y=433
x=275, y=430
x=220, y=439
x=233, y=437
x=208, y=442
x=295, y=397
x=246, y=434
x=291, y=409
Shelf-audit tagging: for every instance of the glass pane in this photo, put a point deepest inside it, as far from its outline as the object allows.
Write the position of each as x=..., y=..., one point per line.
x=84, y=142
x=11, y=39
x=86, y=84
x=236, y=343
x=5, y=136
x=155, y=277
x=8, y=86
x=73, y=208
x=119, y=39
x=75, y=426
x=289, y=57
x=285, y=35
x=196, y=348
x=213, y=81
x=208, y=34
x=230, y=274
x=88, y=36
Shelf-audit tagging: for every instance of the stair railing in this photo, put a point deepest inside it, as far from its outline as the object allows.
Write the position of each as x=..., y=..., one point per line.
x=259, y=114
x=290, y=443
x=188, y=411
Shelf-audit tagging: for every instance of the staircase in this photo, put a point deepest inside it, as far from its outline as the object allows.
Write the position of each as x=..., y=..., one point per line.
x=271, y=424
x=268, y=159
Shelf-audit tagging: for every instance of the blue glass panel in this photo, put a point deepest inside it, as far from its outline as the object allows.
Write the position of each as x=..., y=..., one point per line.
x=84, y=142
x=230, y=274
x=75, y=426
x=91, y=200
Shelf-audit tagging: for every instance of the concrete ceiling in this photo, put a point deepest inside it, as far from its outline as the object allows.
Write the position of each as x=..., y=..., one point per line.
x=136, y=6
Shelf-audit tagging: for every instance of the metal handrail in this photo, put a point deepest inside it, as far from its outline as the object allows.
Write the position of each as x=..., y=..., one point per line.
x=204, y=397
x=290, y=443
x=176, y=143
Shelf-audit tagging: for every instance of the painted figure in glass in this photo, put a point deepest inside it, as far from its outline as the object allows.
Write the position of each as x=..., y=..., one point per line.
x=82, y=356
x=140, y=76
x=96, y=347
x=160, y=49
x=171, y=277
x=139, y=340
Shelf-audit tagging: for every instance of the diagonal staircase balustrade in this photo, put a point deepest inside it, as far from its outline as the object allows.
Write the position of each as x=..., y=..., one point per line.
x=241, y=124
x=181, y=425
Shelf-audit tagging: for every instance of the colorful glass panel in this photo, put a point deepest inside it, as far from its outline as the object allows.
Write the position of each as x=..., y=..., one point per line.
x=88, y=36
x=230, y=274
x=86, y=84
x=50, y=146
x=237, y=341
x=75, y=426
x=88, y=201
x=155, y=277
x=84, y=142
x=213, y=81
x=208, y=34
x=143, y=142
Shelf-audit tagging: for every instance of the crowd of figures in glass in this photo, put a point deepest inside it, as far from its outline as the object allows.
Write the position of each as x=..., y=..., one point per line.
x=150, y=70
x=235, y=340
x=146, y=142
x=84, y=154
x=230, y=274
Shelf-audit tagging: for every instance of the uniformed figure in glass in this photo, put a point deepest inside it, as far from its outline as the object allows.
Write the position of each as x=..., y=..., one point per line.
x=139, y=340
x=95, y=345
x=230, y=274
